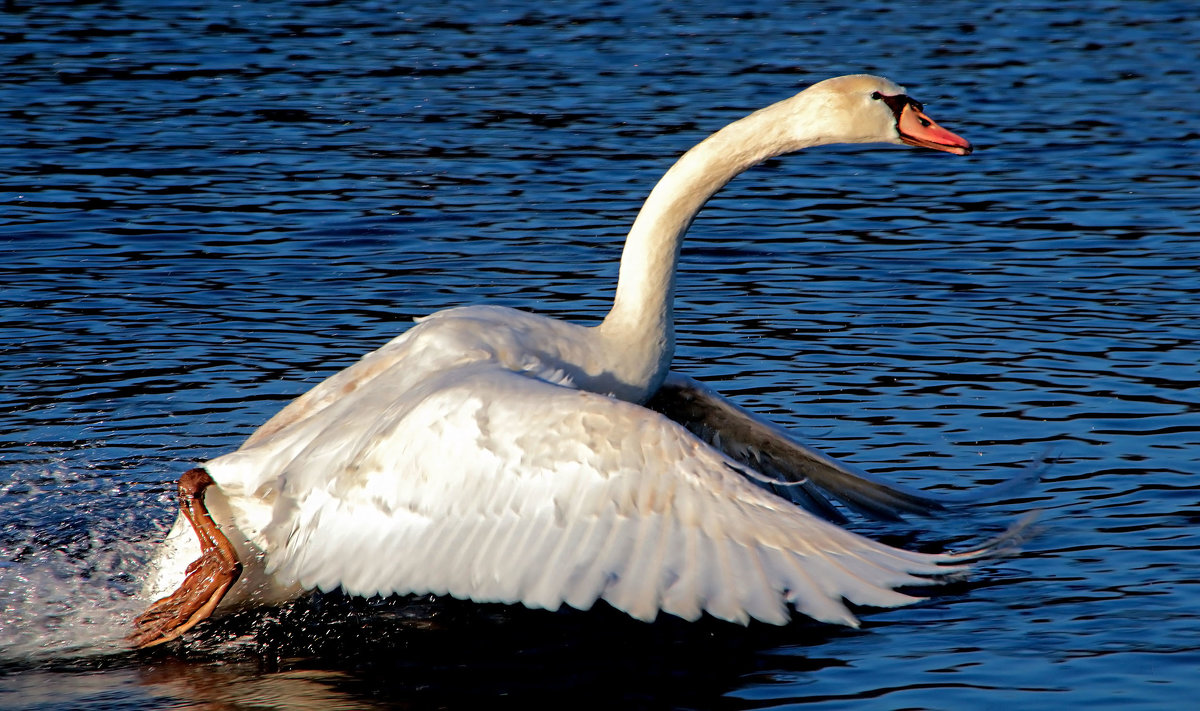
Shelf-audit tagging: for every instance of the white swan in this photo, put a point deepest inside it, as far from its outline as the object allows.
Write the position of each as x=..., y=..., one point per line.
x=496, y=455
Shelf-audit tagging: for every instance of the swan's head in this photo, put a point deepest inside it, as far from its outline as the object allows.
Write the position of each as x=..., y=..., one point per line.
x=867, y=109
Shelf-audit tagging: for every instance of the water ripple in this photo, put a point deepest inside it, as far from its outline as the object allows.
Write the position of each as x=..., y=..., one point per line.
x=207, y=209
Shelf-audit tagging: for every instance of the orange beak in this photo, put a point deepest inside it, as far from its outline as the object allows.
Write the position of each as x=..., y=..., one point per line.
x=917, y=129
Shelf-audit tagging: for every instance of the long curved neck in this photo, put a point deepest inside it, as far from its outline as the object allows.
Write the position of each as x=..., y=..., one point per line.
x=639, y=330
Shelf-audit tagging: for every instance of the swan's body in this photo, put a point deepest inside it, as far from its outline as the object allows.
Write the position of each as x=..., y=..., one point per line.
x=498, y=455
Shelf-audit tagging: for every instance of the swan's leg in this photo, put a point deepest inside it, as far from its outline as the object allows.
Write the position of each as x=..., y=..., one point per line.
x=209, y=577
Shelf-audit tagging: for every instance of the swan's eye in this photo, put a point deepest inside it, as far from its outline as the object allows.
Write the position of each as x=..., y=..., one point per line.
x=897, y=103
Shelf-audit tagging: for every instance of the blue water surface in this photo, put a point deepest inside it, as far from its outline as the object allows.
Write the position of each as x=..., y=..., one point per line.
x=206, y=208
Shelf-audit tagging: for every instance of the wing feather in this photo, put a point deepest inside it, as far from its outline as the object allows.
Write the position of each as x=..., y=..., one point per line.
x=682, y=596
x=762, y=593
x=492, y=485
x=586, y=580
x=778, y=462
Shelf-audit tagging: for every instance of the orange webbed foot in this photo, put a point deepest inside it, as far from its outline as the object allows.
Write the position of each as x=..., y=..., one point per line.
x=208, y=578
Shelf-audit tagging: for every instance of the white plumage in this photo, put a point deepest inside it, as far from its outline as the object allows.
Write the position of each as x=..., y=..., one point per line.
x=496, y=455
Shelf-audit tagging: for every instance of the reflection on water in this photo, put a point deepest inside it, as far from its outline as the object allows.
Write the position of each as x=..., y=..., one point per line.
x=208, y=209
x=330, y=651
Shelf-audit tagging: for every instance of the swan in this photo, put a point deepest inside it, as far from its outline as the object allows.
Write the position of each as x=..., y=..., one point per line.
x=500, y=456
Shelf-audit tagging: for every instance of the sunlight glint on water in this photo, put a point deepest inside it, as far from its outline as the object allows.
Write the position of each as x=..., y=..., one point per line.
x=207, y=209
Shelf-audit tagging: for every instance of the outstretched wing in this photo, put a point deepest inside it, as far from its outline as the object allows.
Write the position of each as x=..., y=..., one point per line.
x=495, y=486
x=776, y=461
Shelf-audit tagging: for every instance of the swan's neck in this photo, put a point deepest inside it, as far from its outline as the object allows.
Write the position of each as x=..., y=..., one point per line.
x=638, y=332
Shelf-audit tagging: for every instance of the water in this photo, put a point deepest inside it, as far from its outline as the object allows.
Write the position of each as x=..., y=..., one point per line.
x=208, y=208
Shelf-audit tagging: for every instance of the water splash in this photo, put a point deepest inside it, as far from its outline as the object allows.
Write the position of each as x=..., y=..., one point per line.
x=69, y=564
